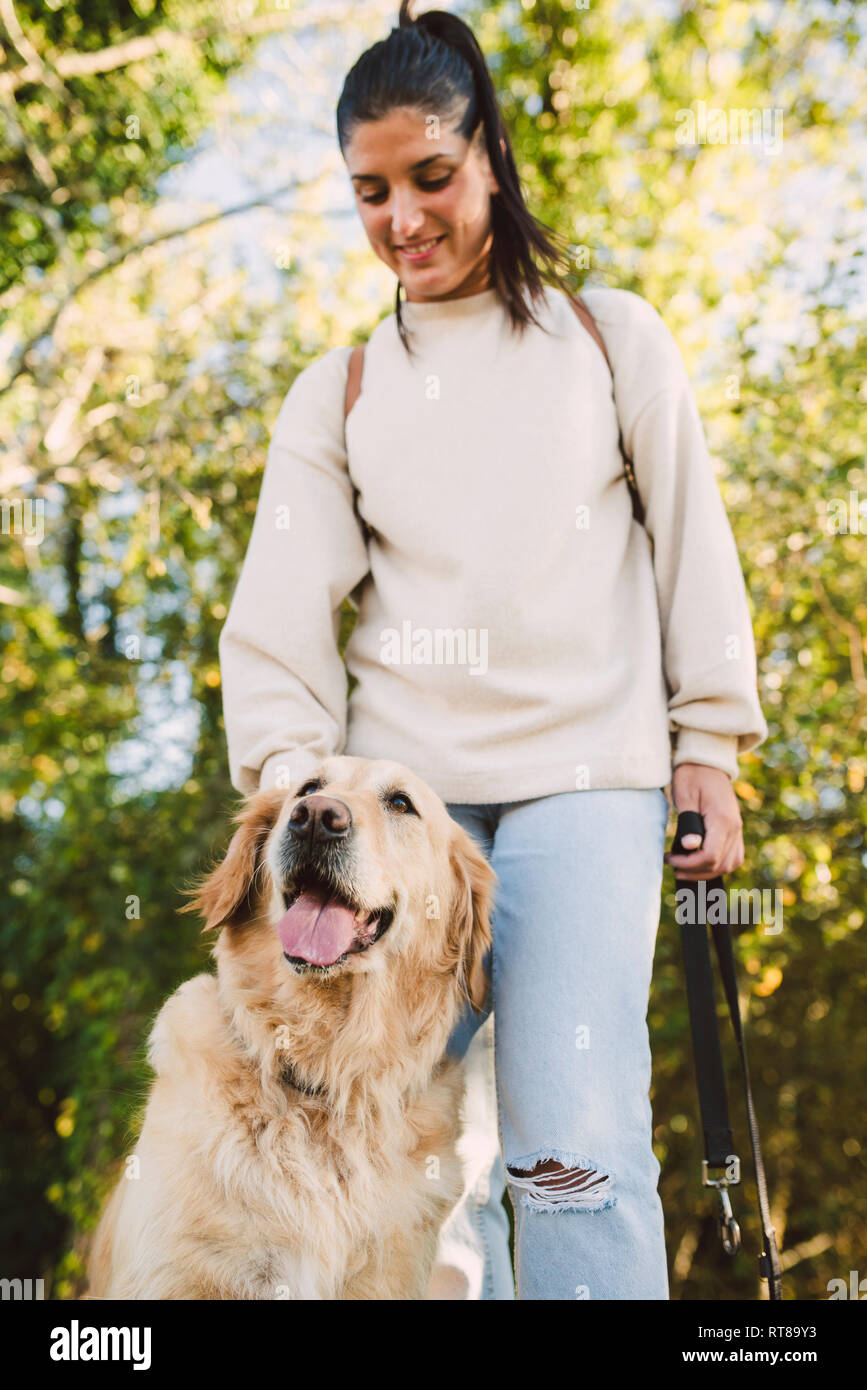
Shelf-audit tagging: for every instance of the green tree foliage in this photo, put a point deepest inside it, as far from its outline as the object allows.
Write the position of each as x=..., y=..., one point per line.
x=137, y=405
x=99, y=100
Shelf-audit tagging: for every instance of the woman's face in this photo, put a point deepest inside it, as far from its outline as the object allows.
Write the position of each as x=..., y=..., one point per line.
x=417, y=180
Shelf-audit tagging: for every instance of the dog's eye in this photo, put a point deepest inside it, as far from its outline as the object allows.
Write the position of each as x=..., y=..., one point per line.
x=401, y=802
x=311, y=785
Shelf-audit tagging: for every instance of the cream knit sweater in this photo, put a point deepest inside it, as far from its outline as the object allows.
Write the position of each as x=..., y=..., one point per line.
x=517, y=634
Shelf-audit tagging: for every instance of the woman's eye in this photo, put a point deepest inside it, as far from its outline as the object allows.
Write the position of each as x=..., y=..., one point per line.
x=426, y=187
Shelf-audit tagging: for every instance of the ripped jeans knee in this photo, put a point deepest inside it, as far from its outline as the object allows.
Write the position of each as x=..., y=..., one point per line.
x=555, y=1181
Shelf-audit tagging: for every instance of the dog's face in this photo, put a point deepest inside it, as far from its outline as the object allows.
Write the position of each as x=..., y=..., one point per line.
x=356, y=868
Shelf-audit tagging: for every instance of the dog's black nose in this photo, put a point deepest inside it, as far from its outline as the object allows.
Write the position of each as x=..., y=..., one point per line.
x=320, y=818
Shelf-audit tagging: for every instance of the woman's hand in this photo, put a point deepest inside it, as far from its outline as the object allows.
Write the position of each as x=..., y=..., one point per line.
x=709, y=791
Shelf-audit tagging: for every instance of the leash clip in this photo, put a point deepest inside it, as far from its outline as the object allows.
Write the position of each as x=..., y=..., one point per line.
x=729, y=1230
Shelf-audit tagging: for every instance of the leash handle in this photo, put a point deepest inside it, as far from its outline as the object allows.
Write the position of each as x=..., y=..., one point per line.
x=707, y=1053
x=688, y=823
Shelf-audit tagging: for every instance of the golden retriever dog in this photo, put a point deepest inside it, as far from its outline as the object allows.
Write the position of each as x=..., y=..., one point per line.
x=299, y=1137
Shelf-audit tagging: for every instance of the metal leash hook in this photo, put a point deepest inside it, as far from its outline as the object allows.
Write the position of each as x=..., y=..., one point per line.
x=729, y=1230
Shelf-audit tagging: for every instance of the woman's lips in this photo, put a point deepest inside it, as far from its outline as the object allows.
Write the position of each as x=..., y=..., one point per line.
x=409, y=255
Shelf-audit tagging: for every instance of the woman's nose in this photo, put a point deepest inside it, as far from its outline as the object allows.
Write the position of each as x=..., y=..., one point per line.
x=406, y=216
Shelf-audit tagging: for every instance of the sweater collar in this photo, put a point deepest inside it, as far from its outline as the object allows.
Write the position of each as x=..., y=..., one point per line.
x=419, y=312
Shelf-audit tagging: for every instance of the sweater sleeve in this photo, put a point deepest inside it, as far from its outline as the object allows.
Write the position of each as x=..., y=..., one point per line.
x=707, y=636
x=284, y=682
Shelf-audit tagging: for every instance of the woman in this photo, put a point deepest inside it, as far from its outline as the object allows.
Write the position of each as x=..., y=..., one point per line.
x=522, y=642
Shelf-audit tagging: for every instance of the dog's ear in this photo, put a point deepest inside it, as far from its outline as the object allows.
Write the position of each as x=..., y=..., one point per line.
x=470, y=924
x=226, y=897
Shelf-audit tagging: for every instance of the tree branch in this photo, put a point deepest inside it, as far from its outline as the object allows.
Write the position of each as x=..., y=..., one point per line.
x=850, y=630
x=145, y=46
x=18, y=358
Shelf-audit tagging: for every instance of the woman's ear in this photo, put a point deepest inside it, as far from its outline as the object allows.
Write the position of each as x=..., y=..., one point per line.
x=227, y=896
x=470, y=926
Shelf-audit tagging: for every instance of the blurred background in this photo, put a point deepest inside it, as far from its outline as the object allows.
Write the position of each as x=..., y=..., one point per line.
x=177, y=240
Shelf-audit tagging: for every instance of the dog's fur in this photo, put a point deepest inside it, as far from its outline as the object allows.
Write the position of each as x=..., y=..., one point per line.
x=299, y=1139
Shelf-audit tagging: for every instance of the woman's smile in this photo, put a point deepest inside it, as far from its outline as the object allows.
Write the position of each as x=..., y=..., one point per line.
x=421, y=250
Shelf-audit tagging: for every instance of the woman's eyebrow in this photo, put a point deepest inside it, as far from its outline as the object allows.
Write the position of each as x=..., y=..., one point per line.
x=419, y=164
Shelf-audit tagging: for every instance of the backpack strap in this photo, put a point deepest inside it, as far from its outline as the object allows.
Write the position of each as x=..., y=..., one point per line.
x=353, y=390
x=589, y=323
x=353, y=379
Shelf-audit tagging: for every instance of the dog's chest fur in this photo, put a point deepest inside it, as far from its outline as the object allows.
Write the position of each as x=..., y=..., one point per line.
x=260, y=1191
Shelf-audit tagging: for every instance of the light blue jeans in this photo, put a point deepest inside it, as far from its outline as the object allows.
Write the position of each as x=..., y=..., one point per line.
x=559, y=1066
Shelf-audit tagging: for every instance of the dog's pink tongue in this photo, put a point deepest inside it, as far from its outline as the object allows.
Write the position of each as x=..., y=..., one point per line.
x=317, y=929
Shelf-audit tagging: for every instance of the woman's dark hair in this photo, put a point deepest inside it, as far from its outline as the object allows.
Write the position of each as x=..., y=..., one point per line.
x=434, y=63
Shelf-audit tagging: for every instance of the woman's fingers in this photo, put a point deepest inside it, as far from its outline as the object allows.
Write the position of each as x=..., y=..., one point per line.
x=736, y=854
x=709, y=792
x=716, y=856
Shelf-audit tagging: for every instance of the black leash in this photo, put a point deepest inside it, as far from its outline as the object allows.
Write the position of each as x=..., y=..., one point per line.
x=707, y=1051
